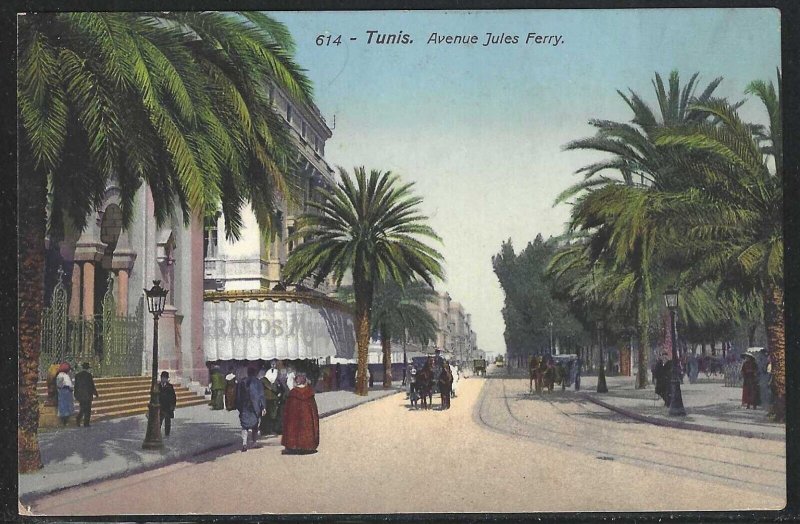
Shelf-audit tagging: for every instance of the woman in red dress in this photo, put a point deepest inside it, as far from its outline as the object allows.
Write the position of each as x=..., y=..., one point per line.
x=749, y=382
x=300, y=419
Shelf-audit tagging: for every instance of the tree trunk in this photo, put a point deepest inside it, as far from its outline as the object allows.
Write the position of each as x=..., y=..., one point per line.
x=643, y=349
x=32, y=199
x=364, y=292
x=751, y=333
x=386, y=345
x=774, y=322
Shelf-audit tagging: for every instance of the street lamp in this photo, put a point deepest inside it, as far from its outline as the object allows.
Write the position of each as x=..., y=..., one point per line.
x=675, y=399
x=550, y=325
x=601, y=374
x=156, y=300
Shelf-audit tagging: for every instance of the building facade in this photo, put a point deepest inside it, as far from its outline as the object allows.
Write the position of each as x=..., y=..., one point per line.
x=107, y=267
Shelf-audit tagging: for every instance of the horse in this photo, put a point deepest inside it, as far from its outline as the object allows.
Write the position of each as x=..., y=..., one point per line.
x=425, y=385
x=533, y=368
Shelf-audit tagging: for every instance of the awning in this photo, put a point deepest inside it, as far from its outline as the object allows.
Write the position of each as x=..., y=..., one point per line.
x=253, y=325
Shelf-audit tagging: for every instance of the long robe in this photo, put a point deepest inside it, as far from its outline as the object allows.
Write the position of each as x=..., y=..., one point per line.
x=749, y=383
x=217, y=390
x=301, y=420
x=66, y=401
x=230, y=394
x=250, y=402
x=273, y=394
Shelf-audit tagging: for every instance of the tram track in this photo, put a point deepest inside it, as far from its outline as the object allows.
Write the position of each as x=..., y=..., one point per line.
x=625, y=449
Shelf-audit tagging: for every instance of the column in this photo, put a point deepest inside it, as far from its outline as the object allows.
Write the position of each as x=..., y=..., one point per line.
x=75, y=294
x=88, y=289
x=122, y=292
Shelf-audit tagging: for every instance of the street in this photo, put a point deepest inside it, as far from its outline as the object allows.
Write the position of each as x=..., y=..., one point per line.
x=498, y=449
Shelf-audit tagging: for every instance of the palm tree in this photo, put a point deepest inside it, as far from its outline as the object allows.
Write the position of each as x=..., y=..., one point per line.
x=398, y=313
x=371, y=227
x=172, y=100
x=621, y=210
x=732, y=216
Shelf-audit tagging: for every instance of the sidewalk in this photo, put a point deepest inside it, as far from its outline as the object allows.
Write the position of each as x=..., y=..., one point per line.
x=710, y=407
x=78, y=455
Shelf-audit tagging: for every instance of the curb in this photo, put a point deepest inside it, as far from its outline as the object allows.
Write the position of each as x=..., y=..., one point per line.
x=676, y=424
x=29, y=498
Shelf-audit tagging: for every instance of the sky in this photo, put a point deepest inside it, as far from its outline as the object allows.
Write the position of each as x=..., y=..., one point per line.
x=480, y=129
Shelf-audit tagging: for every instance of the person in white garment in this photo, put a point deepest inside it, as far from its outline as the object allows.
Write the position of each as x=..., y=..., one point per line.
x=290, y=378
x=456, y=376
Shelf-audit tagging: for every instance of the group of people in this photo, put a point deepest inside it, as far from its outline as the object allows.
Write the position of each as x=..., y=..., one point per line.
x=63, y=390
x=270, y=403
x=753, y=372
x=545, y=372
x=435, y=372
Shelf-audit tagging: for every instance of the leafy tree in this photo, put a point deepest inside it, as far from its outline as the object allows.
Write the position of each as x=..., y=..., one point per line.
x=369, y=226
x=620, y=212
x=731, y=215
x=399, y=314
x=531, y=301
x=172, y=100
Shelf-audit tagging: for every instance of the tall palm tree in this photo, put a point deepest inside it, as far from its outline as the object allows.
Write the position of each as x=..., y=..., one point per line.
x=732, y=216
x=172, y=100
x=620, y=209
x=370, y=226
x=398, y=313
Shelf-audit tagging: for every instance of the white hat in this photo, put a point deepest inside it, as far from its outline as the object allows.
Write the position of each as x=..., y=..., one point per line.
x=230, y=376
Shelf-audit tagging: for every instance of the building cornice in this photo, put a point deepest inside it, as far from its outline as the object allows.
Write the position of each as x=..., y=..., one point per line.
x=262, y=295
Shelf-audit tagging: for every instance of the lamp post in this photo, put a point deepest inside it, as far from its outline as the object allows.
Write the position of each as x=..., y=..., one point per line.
x=675, y=399
x=156, y=299
x=550, y=325
x=601, y=374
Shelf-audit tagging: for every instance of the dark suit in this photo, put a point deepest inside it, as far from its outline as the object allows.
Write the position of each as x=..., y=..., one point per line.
x=167, y=399
x=84, y=391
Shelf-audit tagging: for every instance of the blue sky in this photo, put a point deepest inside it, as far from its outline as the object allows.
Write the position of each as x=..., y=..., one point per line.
x=480, y=129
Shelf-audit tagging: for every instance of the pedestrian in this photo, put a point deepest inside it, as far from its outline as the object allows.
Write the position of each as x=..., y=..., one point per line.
x=230, y=390
x=66, y=402
x=273, y=398
x=168, y=400
x=300, y=419
x=84, y=391
x=692, y=368
x=577, y=379
x=455, y=373
x=291, y=374
x=561, y=376
x=217, y=389
x=445, y=385
x=52, y=389
x=251, y=405
x=661, y=375
x=413, y=395
x=762, y=363
x=749, y=382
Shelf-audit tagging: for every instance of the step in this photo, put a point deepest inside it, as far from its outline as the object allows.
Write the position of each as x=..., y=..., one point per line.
x=139, y=410
x=102, y=402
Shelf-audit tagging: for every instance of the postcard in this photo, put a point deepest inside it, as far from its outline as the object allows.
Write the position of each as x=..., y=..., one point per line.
x=401, y=262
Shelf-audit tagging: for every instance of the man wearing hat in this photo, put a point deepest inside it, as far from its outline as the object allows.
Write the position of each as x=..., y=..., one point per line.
x=167, y=399
x=84, y=390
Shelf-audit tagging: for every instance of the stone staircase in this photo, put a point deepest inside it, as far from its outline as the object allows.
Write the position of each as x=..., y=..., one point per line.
x=120, y=397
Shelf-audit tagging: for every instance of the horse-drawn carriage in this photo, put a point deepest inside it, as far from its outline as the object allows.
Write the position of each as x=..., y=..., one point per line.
x=479, y=366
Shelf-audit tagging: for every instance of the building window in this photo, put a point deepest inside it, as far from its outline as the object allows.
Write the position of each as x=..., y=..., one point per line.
x=289, y=113
x=303, y=127
x=291, y=242
x=210, y=240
